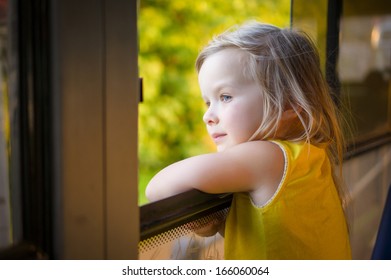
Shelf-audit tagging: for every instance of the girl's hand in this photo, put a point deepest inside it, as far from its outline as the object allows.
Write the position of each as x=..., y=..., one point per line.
x=209, y=228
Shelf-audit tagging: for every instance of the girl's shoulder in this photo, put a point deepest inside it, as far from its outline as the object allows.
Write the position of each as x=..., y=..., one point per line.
x=258, y=153
x=301, y=149
x=265, y=163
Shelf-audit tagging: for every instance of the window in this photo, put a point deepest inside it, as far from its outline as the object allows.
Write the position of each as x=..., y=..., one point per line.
x=170, y=122
x=9, y=185
x=5, y=213
x=25, y=188
x=170, y=34
x=311, y=17
x=364, y=66
x=356, y=59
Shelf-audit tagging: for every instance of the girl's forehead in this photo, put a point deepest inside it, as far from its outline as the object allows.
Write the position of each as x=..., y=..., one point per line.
x=227, y=55
x=227, y=66
x=227, y=61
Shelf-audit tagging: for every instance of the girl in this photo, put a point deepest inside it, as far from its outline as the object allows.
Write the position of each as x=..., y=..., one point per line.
x=278, y=138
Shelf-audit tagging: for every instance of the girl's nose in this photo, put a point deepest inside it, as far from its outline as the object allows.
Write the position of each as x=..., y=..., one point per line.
x=210, y=117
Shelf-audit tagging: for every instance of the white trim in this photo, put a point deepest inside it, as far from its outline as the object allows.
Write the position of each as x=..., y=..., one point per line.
x=283, y=178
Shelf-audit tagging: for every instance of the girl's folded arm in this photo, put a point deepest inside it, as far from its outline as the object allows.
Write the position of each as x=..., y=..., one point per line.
x=241, y=168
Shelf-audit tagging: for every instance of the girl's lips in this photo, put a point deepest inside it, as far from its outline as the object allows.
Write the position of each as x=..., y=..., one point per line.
x=217, y=136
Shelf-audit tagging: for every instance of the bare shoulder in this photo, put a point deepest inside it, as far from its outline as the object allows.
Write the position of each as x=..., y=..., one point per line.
x=260, y=154
x=265, y=164
x=264, y=161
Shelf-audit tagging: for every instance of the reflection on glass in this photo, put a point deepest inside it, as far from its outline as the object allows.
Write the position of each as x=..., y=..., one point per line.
x=188, y=247
x=5, y=219
x=365, y=65
x=311, y=17
x=190, y=241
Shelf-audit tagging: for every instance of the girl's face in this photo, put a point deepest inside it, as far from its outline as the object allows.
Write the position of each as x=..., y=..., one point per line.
x=234, y=101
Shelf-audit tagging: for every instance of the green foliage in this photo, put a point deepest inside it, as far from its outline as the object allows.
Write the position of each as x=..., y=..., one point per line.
x=171, y=32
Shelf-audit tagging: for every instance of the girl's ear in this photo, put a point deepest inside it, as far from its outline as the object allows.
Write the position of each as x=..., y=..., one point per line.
x=291, y=113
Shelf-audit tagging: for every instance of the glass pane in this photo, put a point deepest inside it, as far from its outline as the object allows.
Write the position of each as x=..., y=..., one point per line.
x=365, y=65
x=311, y=17
x=10, y=211
x=5, y=213
x=186, y=242
x=171, y=33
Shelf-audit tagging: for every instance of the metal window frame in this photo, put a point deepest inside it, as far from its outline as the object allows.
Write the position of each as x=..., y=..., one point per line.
x=31, y=179
x=95, y=89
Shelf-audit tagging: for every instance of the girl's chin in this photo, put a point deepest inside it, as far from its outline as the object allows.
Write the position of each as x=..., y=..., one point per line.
x=221, y=148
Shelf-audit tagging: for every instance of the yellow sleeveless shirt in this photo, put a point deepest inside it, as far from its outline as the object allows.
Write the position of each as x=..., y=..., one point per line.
x=303, y=220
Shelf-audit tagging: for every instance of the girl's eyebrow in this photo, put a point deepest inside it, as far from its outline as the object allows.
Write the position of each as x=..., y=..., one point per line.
x=222, y=87
x=218, y=90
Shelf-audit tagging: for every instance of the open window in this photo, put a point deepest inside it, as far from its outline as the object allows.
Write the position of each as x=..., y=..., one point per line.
x=171, y=33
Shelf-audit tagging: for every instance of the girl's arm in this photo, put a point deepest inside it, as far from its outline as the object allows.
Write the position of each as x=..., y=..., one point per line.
x=243, y=168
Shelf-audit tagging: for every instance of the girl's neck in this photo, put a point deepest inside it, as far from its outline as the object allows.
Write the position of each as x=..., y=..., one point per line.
x=290, y=129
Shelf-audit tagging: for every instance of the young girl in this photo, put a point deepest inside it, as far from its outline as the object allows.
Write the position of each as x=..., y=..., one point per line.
x=278, y=138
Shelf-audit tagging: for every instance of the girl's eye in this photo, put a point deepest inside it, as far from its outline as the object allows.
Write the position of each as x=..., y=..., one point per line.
x=225, y=98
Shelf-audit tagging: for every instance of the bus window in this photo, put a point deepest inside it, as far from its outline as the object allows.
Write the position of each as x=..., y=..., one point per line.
x=9, y=203
x=170, y=35
x=170, y=116
x=311, y=17
x=364, y=66
x=5, y=221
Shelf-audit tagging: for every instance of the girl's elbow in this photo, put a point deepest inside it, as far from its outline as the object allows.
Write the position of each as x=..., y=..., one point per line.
x=155, y=190
x=150, y=193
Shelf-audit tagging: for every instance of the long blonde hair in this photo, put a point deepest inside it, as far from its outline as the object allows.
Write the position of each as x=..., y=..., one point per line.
x=286, y=65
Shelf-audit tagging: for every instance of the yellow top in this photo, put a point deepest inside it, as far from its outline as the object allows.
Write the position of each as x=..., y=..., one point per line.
x=303, y=220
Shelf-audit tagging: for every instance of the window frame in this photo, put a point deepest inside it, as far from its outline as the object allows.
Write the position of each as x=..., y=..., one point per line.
x=31, y=204
x=161, y=216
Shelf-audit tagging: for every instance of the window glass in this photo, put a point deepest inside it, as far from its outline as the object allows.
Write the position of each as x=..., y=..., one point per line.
x=171, y=33
x=10, y=198
x=311, y=17
x=364, y=65
x=5, y=213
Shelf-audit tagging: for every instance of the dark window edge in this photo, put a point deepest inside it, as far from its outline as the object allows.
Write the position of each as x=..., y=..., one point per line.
x=366, y=145
x=22, y=251
x=177, y=210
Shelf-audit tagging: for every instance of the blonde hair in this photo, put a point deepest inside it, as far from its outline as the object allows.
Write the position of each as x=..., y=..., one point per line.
x=285, y=63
